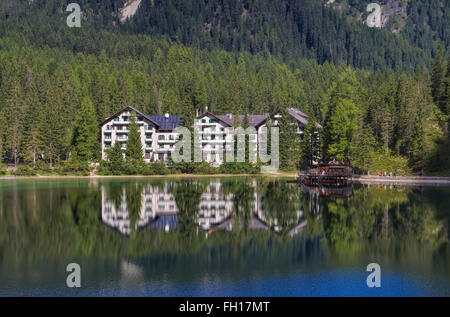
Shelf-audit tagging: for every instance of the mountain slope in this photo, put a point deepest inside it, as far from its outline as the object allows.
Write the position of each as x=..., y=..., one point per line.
x=286, y=29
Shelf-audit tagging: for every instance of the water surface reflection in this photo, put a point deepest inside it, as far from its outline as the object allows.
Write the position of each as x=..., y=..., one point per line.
x=224, y=237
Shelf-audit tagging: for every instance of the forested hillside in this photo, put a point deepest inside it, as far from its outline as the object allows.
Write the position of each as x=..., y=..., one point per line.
x=52, y=78
x=286, y=29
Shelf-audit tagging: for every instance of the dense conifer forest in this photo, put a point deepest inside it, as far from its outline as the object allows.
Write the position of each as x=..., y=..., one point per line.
x=382, y=98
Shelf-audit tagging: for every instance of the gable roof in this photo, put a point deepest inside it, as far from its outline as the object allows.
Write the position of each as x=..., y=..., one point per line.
x=125, y=109
x=253, y=119
x=165, y=124
x=223, y=118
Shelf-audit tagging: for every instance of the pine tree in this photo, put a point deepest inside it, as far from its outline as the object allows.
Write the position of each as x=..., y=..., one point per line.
x=133, y=152
x=86, y=131
x=342, y=116
x=438, y=79
x=115, y=158
x=290, y=154
x=310, y=146
x=14, y=117
x=246, y=125
x=363, y=151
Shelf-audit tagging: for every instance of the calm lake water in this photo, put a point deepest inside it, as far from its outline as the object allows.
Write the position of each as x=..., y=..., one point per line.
x=221, y=237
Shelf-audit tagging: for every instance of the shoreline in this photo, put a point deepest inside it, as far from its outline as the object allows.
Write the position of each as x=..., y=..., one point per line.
x=365, y=179
x=358, y=179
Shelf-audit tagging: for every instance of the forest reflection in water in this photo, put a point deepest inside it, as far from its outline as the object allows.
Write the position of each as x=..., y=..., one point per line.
x=224, y=226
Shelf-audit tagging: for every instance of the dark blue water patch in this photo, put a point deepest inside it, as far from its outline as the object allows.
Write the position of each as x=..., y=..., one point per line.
x=322, y=284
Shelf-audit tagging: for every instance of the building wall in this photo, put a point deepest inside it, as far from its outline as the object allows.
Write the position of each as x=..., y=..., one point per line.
x=156, y=145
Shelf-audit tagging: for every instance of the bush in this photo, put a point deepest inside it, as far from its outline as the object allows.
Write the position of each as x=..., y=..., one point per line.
x=43, y=167
x=388, y=163
x=205, y=168
x=239, y=168
x=157, y=168
x=24, y=170
x=104, y=168
x=2, y=170
x=73, y=168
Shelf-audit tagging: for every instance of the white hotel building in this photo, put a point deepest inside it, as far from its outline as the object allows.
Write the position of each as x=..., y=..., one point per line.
x=216, y=136
x=157, y=133
x=158, y=136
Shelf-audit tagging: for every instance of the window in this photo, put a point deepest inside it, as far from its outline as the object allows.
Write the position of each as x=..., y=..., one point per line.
x=212, y=121
x=222, y=129
x=213, y=137
x=161, y=137
x=116, y=119
x=107, y=136
x=148, y=136
x=125, y=119
x=171, y=137
x=203, y=120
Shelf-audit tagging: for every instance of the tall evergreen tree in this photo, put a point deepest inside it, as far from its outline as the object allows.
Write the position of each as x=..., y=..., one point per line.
x=14, y=110
x=438, y=79
x=364, y=150
x=310, y=145
x=115, y=158
x=290, y=154
x=133, y=152
x=342, y=117
x=86, y=131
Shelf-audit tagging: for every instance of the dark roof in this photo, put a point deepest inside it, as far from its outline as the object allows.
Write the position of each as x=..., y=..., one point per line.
x=254, y=120
x=165, y=124
x=223, y=118
x=298, y=115
x=125, y=109
x=163, y=220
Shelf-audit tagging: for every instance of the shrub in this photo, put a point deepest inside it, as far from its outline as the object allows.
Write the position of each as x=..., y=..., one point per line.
x=205, y=168
x=24, y=170
x=388, y=163
x=43, y=167
x=2, y=170
x=157, y=168
x=239, y=168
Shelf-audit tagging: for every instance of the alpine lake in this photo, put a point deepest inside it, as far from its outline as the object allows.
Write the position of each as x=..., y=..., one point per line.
x=241, y=236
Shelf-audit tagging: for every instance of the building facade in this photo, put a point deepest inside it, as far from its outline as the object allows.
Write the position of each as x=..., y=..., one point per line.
x=214, y=132
x=157, y=133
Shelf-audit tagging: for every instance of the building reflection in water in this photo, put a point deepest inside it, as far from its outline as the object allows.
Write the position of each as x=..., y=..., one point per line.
x=216, y=211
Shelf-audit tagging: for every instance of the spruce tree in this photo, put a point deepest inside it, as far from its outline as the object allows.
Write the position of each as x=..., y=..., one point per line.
x=289, y=141
x=341, y=122
x=245, y=125
x=115, y=158
x=438, y=79
x=363, y=152
x=86, y=131
x=310, y=146
x=133, y=152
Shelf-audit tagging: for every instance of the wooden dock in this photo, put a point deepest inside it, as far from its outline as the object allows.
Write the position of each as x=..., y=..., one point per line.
x=334, y=174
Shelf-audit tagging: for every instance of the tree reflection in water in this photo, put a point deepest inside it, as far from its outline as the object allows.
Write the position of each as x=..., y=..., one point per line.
x=246, y=220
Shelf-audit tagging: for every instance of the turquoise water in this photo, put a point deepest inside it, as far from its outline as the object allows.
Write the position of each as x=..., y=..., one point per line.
x=221, y=237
